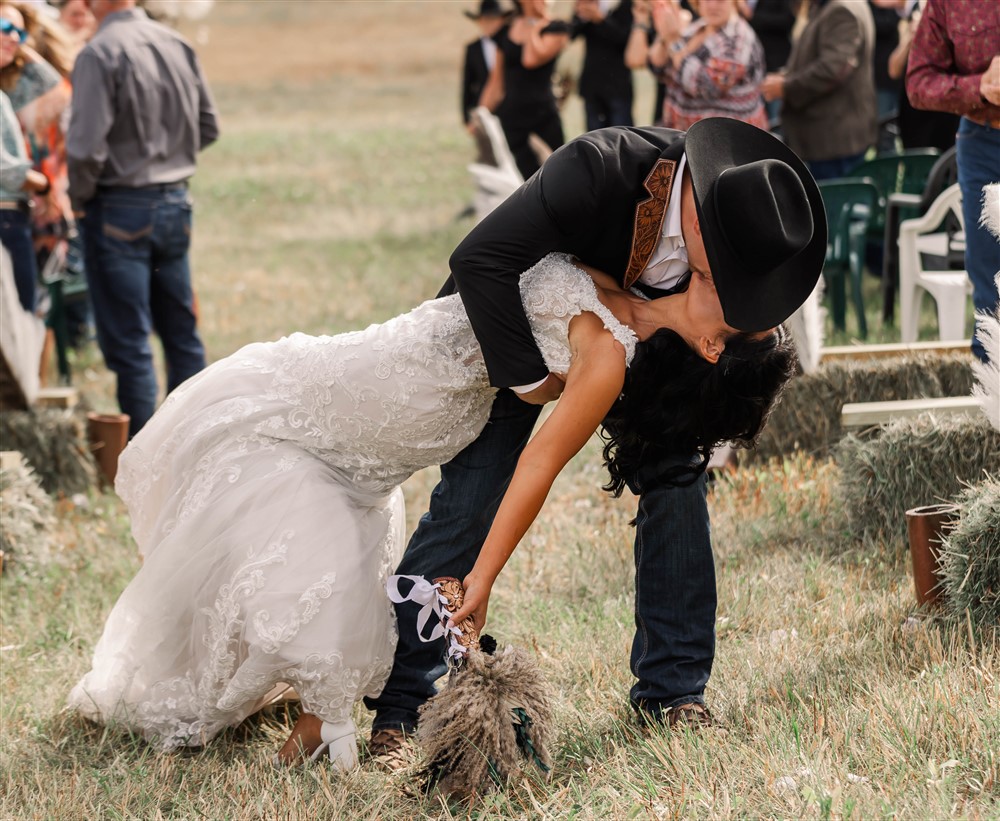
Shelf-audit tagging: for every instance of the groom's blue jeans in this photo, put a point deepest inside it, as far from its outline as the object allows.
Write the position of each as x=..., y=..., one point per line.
x=675, y=576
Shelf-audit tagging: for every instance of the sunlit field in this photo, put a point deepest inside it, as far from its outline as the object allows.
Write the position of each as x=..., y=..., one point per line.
x=333, y=200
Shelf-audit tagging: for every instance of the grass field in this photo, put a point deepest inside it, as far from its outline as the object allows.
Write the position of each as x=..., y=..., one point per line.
x=331, y=202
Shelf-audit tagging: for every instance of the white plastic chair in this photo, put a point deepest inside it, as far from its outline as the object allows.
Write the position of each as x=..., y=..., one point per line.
x=950, y=289
x=493, y=183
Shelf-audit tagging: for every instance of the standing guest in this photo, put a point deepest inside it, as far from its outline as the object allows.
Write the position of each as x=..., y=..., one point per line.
x=713, y=67
x=519, y=90
x=886, y=15
x=954, y=65
x=77, y=19
x=34, y=99
x=828, y=88
x=47, y=140
x=643, y=33
x=480, y=54
x=18, y=181
x=918, y=128
x=772, y=22
x=142, y=112
x=605, y=81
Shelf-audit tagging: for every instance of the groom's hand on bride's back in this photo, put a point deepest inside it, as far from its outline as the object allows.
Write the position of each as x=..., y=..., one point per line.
x=548, y=391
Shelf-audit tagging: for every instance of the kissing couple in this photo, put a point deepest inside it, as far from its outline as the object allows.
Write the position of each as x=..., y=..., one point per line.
x=641, y=277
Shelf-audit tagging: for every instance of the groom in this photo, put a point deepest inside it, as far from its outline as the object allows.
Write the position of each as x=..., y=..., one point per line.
x=647, y=206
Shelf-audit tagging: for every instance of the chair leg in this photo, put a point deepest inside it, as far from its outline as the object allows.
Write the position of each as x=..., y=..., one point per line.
x=834, y=276
x=909, y=313
x=57, y=321
x=951, y=313
x=909, y=291
x=857, y=272
x=890, y=265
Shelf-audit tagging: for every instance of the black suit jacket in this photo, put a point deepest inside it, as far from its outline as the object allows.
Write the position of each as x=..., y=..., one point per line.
x=601, y=197
x=604, y=71
x=474, y=77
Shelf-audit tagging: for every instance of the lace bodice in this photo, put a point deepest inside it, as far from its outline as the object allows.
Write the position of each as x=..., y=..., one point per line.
x=553, y=292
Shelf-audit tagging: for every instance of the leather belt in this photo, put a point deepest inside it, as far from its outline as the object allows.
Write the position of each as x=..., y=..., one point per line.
x=989, y=122
x=160, y=186
x=16, y=205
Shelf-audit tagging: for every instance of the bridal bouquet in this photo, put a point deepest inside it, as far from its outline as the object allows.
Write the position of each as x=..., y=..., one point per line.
x=492, y=717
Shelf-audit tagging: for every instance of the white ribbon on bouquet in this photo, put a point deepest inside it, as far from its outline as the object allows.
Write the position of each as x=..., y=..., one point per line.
x=424, y=593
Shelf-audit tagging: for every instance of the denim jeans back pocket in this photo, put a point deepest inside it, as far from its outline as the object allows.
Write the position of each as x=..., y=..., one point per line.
x=175, y=217
x=126, y=227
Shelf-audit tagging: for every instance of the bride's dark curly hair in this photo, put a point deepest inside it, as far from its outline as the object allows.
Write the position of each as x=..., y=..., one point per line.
x=676, y=406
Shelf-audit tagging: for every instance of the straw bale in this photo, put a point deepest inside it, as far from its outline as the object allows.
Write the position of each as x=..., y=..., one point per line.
x=907, y=463
x=808, y=416
x=54, y=442
x=27, y=517
x=970, y=555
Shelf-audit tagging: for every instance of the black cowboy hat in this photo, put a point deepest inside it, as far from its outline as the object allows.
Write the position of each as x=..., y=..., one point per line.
x=762, y=220
x=488, y=8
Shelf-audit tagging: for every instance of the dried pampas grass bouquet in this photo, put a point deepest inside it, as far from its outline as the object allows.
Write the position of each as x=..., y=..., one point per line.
x=492, y=719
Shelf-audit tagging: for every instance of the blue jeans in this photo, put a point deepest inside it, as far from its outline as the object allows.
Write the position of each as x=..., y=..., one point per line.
x=136, y=245
x=675, y=578
x=836, y=168
x=602, y=112
x=15, y=235
x=978, y=148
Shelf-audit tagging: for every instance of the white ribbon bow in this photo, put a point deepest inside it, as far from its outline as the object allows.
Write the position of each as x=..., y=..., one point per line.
x=425, y=593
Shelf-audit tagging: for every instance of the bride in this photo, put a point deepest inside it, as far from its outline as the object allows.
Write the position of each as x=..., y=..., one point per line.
x=264, y=494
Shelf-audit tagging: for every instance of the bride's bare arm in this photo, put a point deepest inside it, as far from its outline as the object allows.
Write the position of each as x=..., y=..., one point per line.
x=594, y=381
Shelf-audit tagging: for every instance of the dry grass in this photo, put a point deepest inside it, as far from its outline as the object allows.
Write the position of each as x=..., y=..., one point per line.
x=330, y=203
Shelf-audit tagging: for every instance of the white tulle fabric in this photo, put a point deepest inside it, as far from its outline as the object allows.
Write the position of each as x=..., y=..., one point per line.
x=264, y=498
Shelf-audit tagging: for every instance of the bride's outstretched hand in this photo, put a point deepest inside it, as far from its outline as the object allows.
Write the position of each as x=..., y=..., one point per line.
x=477, y=600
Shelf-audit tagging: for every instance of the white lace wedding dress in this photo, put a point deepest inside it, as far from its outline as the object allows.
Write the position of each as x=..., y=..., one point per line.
x=264, y=498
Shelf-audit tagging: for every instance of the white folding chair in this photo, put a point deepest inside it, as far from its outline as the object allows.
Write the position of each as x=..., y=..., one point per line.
x=950, y=289
x=493, y=183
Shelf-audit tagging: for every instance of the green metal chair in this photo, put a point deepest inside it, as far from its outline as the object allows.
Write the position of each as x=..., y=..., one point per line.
x=850, y=205
x=902, y=173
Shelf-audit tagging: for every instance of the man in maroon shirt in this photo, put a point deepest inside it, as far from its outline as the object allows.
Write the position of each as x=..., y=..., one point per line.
x=954, y=66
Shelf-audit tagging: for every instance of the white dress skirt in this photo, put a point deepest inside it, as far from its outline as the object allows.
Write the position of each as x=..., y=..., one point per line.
x=265, y=500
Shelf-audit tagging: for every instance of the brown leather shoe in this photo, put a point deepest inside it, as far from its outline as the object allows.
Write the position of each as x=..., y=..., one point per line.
x=389, y=749
x=691, y=714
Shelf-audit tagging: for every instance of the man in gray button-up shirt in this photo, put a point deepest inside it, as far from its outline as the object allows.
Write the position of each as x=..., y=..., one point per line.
x=141, y=112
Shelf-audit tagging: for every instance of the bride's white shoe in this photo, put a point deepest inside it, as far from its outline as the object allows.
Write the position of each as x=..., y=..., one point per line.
x=338, y=740
x=342, y=744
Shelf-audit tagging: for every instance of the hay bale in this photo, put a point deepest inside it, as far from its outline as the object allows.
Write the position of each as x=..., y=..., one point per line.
x=910, y=462
x=27, y=518
x=54, y=442
x=970, y=555
x=808, y=416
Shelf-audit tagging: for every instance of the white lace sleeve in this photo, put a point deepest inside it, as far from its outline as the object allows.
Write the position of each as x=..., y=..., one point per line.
x=553, y=291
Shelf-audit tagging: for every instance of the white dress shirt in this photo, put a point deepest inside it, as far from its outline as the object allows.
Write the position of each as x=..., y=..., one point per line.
x=489, y=47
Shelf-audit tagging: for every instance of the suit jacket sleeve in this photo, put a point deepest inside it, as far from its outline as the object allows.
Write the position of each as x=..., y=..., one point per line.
x=543, y=215
x=839, y=45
